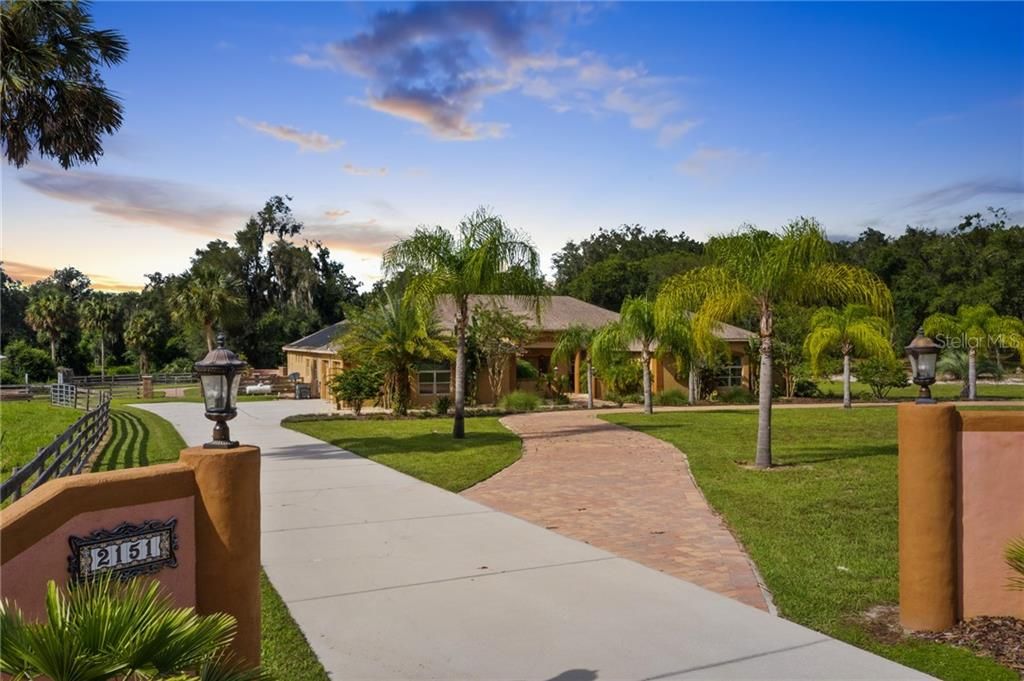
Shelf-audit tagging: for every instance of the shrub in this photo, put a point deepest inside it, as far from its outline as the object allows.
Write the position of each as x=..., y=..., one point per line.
x=624, y=377
x=525, y=371
x=442, y=404
x=182, y=365
x=560, y=398
x=671, y=398
x=105, y=629
x=615, y=397
x=882, y=374
x=355, y=385
x=736, y=396
x=23, y=359
x=1015, y=561
x=519, y=400
x=805, y=387
x=122, y=370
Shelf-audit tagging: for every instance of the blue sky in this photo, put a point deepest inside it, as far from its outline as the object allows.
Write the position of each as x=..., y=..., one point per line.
x=376, y=118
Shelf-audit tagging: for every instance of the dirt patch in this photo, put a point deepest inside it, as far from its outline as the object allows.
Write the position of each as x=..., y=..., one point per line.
x=1001, y=638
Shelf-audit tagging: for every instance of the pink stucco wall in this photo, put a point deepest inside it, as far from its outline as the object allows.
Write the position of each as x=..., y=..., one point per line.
x=23, y=578
x=991, y=465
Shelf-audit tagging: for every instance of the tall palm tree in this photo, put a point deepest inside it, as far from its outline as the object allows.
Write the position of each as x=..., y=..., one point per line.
x=208, y=300
x=853, y=331
x=751, y=272
x=98, y=313
x=678, y=339
x=104, y=629
x=141, y=336
x=483, y=256
x=576, y=341
x=976, y=327
x=53, y=96
x=50, y=315
x=636, y=326
x=394, y=334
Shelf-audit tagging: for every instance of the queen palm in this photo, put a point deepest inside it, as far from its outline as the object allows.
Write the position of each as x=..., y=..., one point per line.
x=394, y=334
x=98, y=313
x=483, y=256
x=50, y=315
x=208, y=300
x=852, y=331
x=636, y=326
x=751, y=272
x=104, y=629
x=976, y=326
x=577, y=341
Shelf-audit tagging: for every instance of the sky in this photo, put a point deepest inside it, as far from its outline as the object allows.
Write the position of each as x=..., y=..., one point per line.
x=563, y=118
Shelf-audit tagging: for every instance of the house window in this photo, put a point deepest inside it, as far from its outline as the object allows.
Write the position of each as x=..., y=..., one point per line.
x=434, y=379
x=730, y=374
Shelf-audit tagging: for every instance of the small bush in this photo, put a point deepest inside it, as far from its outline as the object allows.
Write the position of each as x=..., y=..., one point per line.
x=519, y=400
x=355, y=385
x=882, y=374
x=671, y=398
x=736, y=396
x=806, y=388
x=560, y=398
x=525, y=371
x=122, y=370
x=182, y=365
x=442, y=404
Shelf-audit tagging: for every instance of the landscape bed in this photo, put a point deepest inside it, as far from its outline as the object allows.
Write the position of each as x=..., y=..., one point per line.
x=821, y=526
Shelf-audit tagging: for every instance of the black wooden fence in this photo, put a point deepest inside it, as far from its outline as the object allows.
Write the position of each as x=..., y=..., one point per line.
x=66, y=455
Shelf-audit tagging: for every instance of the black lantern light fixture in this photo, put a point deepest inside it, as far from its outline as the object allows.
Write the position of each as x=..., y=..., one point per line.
x=219, y=374
x=923, y=352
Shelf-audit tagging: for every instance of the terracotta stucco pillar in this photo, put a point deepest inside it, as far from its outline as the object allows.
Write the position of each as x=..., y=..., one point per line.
x=927, y=515
x=228, y=539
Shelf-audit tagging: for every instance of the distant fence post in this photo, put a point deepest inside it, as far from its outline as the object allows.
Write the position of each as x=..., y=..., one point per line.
x=147, y=387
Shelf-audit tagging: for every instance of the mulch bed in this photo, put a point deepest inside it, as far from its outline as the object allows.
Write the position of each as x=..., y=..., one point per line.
x=1001, y=638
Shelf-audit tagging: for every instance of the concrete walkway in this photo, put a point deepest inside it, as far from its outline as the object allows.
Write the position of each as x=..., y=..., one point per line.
x=622, y=491
x=392, y=578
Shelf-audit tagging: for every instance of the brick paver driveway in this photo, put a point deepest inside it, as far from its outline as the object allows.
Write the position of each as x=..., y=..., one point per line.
x=621, y=491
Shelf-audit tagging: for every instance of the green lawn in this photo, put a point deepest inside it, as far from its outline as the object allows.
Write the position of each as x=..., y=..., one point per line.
x=822, y=527
x=140, y=438
x=27, y=426
x=944, y=391
x=424, y=448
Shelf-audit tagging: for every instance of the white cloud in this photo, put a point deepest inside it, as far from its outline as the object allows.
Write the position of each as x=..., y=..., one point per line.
x=306, y=141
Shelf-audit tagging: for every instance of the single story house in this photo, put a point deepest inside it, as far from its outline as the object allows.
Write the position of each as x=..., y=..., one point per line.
x=315, y=358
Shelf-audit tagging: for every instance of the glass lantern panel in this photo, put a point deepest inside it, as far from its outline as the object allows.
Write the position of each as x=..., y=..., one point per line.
x=236, y=380
x=913, y=364
x=926, y=365
x=215, y=391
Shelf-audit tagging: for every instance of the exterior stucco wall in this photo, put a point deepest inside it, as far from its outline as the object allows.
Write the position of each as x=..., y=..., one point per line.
x=991, y=464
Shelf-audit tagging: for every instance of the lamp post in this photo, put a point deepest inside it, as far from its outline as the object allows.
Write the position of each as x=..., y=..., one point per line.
x=923, y=352
x=219, y=375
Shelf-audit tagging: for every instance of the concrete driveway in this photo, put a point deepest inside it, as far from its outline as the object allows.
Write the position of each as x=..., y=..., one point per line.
x=392, y=578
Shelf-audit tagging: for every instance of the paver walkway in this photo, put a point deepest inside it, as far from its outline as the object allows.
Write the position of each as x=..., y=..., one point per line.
x=393, y=579
x=622, y=491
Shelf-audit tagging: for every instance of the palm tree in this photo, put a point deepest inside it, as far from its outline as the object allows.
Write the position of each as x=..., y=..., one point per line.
x=141, y=336
x=53, y=97
x=207, y=300
x=50, y=315
x=395, y=335
x=976, y=326
x=574, y=341
x=678, y=339
x=484, y=256
x=853, y=331
x=98, y=313
x=105, y=629
x=636, y=326
x=751, y=272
